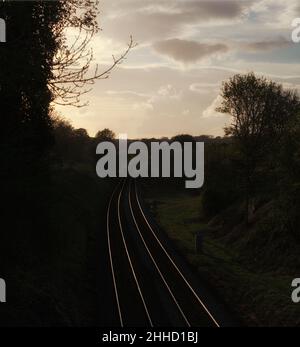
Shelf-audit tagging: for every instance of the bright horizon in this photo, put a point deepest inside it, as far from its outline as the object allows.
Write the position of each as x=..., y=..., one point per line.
x=170, y=83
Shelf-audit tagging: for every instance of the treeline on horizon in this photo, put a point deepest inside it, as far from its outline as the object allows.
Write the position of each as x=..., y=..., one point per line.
x=75, y=145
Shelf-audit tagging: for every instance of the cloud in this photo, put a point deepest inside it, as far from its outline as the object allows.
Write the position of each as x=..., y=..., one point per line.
x=168, y=91
x=210, y=111
x=188, y=51
x=204, y=87
x=127, y=93
x=267, y=45
x=182, y=10
x=142, y=106
x=215, y=9
x=274, y=13
x=147, y=20
x=291, y=86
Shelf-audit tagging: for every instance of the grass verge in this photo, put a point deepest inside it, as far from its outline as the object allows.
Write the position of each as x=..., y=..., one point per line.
x=258, y=296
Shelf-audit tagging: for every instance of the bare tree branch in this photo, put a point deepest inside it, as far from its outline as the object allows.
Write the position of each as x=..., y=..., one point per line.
x=73, y=74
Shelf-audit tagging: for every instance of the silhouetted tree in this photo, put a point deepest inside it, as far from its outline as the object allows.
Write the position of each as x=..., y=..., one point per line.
x=42, y=67
x=261, y=112
x=24, y=94
x=183, y=138
x=105, y=135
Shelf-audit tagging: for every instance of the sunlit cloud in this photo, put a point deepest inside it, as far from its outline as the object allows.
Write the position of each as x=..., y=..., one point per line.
x=211, y=110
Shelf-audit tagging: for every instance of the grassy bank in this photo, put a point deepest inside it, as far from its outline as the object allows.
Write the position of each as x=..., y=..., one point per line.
x=257, y=293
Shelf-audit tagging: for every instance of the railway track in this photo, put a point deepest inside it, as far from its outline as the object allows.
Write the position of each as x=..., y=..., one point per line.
x=150, y=288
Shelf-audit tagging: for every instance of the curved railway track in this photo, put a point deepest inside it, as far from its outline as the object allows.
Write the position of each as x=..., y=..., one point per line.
x=151, y=289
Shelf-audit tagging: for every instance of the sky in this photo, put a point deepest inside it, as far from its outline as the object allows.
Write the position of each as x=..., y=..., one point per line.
x=170, y=83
